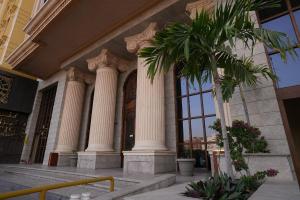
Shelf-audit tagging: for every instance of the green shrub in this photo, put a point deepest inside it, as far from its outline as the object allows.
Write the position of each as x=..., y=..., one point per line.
x=223, y=187
x=242, y=138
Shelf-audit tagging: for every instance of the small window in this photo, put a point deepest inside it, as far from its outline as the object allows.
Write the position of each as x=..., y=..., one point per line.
x=289, y=72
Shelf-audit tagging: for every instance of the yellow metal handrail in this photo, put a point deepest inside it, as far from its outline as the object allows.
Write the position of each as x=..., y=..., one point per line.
x=43, y=189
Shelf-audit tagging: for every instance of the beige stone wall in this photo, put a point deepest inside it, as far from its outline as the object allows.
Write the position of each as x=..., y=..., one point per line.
x=262, y=105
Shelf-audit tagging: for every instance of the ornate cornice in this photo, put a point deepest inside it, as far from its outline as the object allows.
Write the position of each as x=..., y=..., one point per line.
x=44, y=16
x=107, y=59
x=6, y=17
x=75, y=74
x=193, y=7
x=20, y=53
x=136, y=42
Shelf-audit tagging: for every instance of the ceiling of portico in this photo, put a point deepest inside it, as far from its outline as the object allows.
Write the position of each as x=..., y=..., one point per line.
x=87, y=26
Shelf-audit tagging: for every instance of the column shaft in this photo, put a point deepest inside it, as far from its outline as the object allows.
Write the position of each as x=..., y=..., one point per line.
x=103, y=114
x=150, y=111
x=71, y=117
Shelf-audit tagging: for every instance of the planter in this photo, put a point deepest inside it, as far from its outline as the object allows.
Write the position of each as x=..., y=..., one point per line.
x=186, y=166
x=73, y=161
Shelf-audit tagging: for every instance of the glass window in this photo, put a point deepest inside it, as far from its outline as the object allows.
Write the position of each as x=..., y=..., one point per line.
x=282, y=24
x=288, y=73
x=182, y=83
x=297, y=17
x=288, y=22
x=184, y=129
x=210, y=133
x=193, y=123
x=183, y=107
x=295, y=3
x=194, y=87
x=267, y=13
x=195, y=105
x=209, y=104
x=197, y=129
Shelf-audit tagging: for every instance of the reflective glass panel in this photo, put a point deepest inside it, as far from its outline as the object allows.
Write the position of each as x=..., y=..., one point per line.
x=267, y=13
x=194, y=87
x=206, y=86
x=209, y=103
x=210, y=133
x=295, y=3
x=282, y=24
x=197, y=129
x=195, y=105
x=182, y=87
x=297, y=16
x=184, y=107
x=288, y=73
x=184, y=135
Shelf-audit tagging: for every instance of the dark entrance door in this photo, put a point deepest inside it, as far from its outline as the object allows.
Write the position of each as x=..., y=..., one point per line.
x=43, y=124
x=129, y=112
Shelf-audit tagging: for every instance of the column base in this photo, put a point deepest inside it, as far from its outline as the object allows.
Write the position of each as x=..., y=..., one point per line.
x=98, y=160
x=64, y=159
x=149, y=162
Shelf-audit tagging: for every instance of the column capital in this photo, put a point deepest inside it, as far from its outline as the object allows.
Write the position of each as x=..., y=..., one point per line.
x=138, y=41
x=107, y=59
x=74, y=74
x=195, y=7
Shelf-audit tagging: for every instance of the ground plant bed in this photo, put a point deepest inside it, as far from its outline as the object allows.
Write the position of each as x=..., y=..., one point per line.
x=223, y=187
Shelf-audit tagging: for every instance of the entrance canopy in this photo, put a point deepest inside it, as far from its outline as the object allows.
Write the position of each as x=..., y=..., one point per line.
x=66, y=33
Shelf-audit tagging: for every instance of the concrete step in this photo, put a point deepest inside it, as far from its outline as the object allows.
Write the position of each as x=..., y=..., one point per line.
x=60, y=175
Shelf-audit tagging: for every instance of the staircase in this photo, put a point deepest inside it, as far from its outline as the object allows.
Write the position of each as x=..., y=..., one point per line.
x=14, y=177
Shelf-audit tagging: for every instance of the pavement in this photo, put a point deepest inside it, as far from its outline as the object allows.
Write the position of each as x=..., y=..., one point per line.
x=275, y=190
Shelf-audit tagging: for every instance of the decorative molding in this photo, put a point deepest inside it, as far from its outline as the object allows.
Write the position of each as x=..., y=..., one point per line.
x=195, y=7
x=5, y=88
x=136, y=42
x=44, y=16
x=21, y=52
x=10, y=10
x=107, y=59
x=75, y=74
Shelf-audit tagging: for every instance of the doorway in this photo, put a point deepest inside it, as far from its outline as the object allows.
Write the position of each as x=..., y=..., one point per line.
x=292, y=109
x=43, y=124
x=129, y=107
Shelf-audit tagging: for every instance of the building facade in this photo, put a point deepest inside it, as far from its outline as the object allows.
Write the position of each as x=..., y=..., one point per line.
x=96, y=102
x=17, y=90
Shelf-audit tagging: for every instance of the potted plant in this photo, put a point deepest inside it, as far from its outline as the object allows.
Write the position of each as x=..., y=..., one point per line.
x=186, y=163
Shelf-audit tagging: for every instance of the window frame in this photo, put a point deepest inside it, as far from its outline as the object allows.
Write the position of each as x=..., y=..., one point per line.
x=289, y=12
x=179, y=119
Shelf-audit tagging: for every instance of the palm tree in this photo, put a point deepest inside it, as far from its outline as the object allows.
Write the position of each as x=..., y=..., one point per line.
x=229, y=84
x=203, y=48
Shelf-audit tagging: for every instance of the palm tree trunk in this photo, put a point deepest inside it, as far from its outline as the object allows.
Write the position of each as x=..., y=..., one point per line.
x=222, y=118
x=244, y=104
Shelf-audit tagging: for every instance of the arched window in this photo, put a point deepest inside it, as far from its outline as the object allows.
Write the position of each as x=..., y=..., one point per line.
x=195, y=113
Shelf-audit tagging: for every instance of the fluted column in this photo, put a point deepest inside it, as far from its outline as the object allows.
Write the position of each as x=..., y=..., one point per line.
x=103, y=114
x=150, y=98
x=72, y=111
